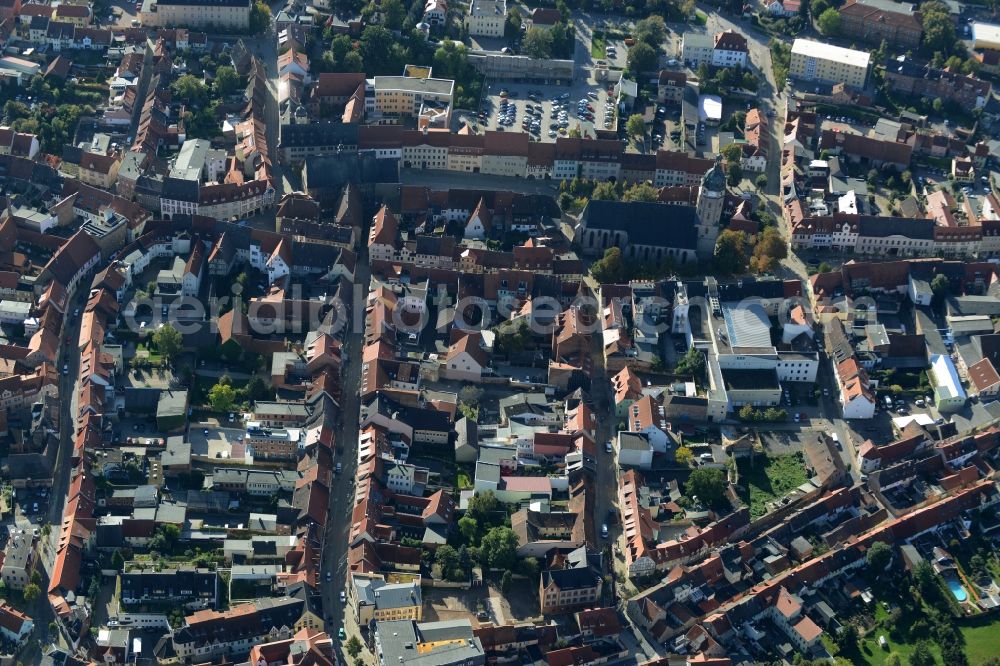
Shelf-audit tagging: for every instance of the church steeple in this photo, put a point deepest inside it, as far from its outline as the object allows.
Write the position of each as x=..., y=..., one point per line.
x=711, y=200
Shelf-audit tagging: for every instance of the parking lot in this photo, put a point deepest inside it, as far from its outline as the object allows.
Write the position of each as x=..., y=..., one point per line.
x=32, y=505
x=546, y=112
x=212, y=442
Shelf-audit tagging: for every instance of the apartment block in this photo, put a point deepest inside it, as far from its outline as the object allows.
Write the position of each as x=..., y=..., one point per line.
x=213, y=15
x=816, y=61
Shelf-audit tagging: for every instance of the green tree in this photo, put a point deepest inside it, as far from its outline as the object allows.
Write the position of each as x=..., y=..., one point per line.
x=748, y=413
x=939, y=29
x=353, y=647
x=692, y=363
x=260, y=17
x=470, y=395
x=879, y=556
x=940, y=286
x=221, y=397
x=377, y=48
x=605, y=191
x=353, y=62
x=641, y=192
x=118, y=560
x=893, y=659
x=922, y=655
x=609, y=269
x=829, y=22
x=499, y=548
x=469, y=528
x=258, y=389
x=847, y=638
x=730, y=252
x=528, y=567
x=683, y=456
x=31, y=592
x=36, y=576
x=168, y=342
x=537, y=43
x=734, y=174
x=512, y=25
x=775, y=415
x=505, y=581
x=393, y=14
x=708, y=485
x=768, y=251
x=513, y=339
x=227, y=81
x=642, y=58
x=190, y=90
x=635, y=126
x=446, y=557
x=651, y=30
x=482, y=507
x=563, y=39
x=761, y=181
x=733, y=153
x=339, y=47
x=165, y=538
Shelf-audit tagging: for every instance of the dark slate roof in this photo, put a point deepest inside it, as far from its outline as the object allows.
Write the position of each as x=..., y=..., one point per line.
x=169, y=584
x=335, y=171
x=319, y=134
x=882, y=227
x=178, y=189
x=582, y=578
x=646, y=223
x=416, y=417
x=750, y=288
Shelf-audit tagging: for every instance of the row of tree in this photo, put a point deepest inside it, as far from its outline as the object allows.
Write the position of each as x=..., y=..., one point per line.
x=737, y=251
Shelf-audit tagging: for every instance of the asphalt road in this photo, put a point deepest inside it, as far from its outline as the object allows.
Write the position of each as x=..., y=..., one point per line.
x=334, y=558
x=42, y=613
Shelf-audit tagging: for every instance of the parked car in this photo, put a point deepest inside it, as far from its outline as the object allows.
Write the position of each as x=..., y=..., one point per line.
x=604, y=531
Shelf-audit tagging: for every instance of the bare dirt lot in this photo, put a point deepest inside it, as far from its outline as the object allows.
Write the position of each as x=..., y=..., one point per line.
x=520, y=604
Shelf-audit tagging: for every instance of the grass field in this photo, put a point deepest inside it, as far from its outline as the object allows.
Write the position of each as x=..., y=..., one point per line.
x=981, y=634
x=597, y=44
x=769, y=478
x=982, y=640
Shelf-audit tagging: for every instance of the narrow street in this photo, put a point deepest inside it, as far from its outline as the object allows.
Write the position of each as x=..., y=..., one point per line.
x=334, y=559
x=41, y=612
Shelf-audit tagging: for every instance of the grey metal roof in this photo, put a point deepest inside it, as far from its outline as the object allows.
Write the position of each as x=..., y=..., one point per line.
x=399, y=641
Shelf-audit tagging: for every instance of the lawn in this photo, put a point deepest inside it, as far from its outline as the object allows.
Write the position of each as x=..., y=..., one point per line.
x=982, y=640
x=981, y=634
x=769, y=478
x=597, y=44
x=464, y=479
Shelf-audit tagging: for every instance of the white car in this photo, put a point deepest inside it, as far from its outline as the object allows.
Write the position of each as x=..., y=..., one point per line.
x=608, y=447
x=343, y=597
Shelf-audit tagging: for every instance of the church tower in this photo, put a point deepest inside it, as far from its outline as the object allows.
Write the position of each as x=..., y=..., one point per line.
x=711, y=200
